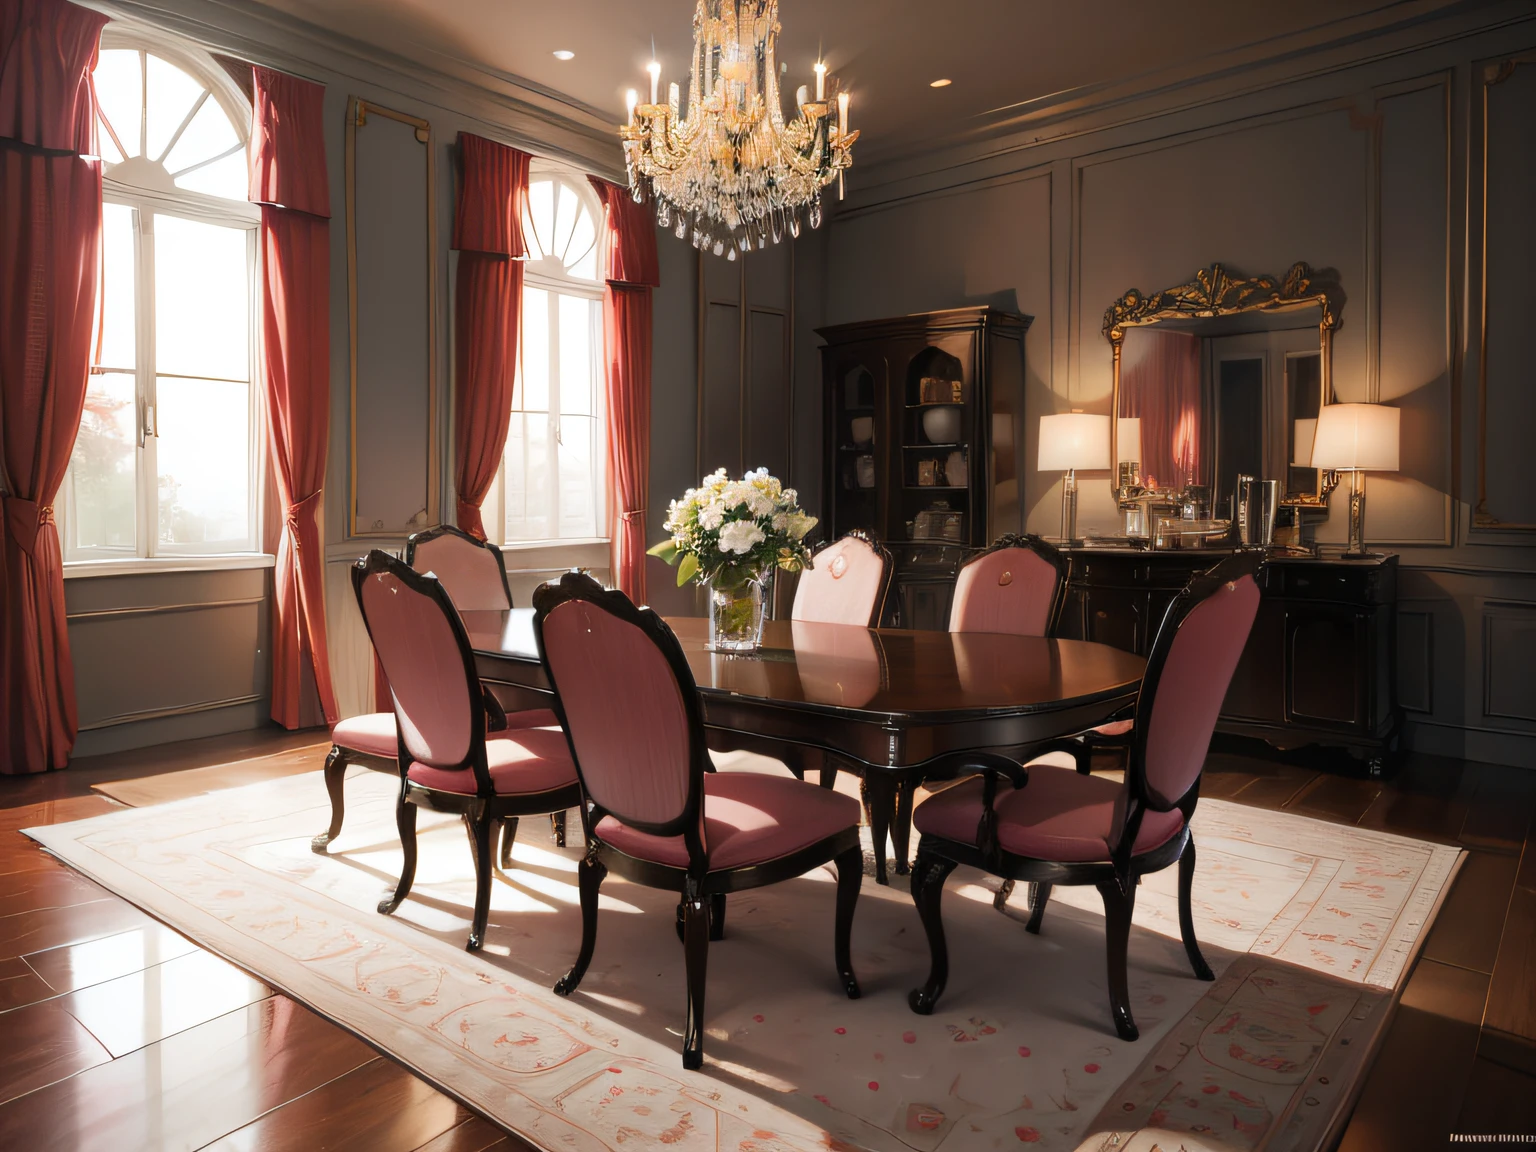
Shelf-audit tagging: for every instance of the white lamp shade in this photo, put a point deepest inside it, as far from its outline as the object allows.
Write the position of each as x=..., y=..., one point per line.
x=1357, y=437
x=1301, y=443
x=1073, y=440
x=1128, y=438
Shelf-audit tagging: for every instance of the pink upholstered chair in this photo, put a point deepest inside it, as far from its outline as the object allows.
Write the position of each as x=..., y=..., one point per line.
x=1049, y=825
x=1017, y=586
x=446, y=760
x=846, y=583
x=654, y=810
x=475, y=577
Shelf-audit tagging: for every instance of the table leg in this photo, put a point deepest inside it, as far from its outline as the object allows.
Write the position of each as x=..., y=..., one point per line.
x=879, y=794
x=901, y=831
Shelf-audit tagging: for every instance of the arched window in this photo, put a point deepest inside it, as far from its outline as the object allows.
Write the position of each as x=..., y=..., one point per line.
x=165, y=461
x=556, y=463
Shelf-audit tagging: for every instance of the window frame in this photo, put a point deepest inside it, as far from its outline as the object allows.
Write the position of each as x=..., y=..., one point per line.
x=148, y=552
x=549, y=274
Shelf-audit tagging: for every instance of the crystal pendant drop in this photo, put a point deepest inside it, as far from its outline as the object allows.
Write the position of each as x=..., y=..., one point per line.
x=815, y=213
x=794, y=226
x=731, y=255
x=663, y=214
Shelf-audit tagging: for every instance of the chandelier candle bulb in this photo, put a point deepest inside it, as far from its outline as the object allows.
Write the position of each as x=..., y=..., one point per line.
x=842, y=115
x=655, y=70
x=673, y=98
x=631, y=98
x=821, y=81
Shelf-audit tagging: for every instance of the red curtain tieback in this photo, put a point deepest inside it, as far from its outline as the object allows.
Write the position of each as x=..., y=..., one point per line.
x=309, y=504
x=24, y=519
x=628, y=516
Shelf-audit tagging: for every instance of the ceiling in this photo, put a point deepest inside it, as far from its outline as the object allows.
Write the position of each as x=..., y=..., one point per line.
x=998, y=53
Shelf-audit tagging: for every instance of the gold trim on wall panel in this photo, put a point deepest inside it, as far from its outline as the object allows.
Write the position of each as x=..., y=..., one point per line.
x=1487, y=75
x=358, y=111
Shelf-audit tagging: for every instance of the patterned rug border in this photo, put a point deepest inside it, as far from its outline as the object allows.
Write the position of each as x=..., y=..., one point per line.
x=792, y=1130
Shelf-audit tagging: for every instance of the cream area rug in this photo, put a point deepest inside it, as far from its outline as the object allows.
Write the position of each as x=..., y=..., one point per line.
x=1310, y=927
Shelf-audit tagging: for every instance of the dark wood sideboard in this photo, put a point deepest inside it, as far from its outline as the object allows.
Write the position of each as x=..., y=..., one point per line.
x=1320, y=666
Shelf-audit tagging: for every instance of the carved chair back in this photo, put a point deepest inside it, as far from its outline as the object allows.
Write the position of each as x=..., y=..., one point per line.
x=1189, y=669
x=846, y=583
x=628, y=703
x=1017, y=586
x=472, y=570
x=421, y=642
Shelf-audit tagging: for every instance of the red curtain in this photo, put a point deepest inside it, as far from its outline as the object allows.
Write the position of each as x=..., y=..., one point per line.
x=50, y=237
x=488, y=233
x=288, y=179
x=630, y=242
x=1160, y=382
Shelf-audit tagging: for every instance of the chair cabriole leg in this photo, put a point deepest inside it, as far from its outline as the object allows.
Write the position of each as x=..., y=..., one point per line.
x=928, y=877
x=335, y=778
x=589, y=878
x=696, y=962
x=482, y=831
x=405, y=821
x=1118, y=905
x=1186, y=913
x=1039, y=895
x=508, y=835
x=850, y=872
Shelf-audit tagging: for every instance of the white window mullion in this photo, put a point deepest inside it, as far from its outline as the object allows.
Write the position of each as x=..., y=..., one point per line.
x=147, y=473
x=554, y=413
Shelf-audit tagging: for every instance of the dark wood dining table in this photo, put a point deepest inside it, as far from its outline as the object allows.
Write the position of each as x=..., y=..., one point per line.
x=896, y=705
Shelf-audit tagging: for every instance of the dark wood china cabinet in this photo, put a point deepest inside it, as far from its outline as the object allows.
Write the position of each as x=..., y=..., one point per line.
x=923, y=423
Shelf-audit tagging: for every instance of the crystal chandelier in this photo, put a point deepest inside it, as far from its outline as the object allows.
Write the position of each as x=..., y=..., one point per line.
x=732, y=173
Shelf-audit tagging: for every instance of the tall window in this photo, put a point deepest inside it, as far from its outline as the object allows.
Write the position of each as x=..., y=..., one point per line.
x=165, y=462
x=556, y=461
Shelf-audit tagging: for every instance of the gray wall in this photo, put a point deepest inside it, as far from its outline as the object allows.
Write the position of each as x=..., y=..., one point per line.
x=1366, y=170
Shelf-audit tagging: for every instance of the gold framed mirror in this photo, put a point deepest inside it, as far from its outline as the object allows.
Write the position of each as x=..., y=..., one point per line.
x=1228, y=379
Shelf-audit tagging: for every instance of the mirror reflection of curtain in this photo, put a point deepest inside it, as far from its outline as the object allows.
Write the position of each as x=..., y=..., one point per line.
x=1160, y=385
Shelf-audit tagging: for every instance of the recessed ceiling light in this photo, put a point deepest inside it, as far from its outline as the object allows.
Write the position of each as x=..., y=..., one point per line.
x=564, y=54
x=939, y=83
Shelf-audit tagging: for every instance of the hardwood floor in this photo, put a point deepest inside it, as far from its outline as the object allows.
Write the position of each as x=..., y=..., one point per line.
x=121, y=1034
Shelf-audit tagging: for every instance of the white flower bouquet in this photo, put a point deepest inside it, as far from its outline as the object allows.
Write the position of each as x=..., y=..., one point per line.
x=728, y=532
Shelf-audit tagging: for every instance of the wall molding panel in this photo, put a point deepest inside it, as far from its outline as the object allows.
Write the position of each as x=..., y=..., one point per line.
x=392, y=320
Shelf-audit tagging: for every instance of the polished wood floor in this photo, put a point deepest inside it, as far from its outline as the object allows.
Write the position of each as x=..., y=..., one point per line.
x=120, y=1034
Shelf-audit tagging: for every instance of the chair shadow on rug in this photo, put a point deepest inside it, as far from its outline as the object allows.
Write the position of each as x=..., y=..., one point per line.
x=653, y=809
x=1052, y=826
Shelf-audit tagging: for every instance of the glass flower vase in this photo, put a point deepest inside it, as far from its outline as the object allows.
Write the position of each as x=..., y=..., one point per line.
x=736, y=613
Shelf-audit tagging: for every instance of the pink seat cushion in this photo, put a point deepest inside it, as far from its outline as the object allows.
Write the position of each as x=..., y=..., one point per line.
x=749, y=818
x=533, y=718
x=1115, y=728
x=1059, y=815
x=372, y=734
x=521, y=761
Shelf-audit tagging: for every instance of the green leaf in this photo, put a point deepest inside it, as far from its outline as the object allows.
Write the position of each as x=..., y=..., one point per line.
x=666, y=550
x=687, y=569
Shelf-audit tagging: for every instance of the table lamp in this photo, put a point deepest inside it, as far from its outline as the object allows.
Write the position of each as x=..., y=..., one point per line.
x=1357, y=438
x=1069, y=441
